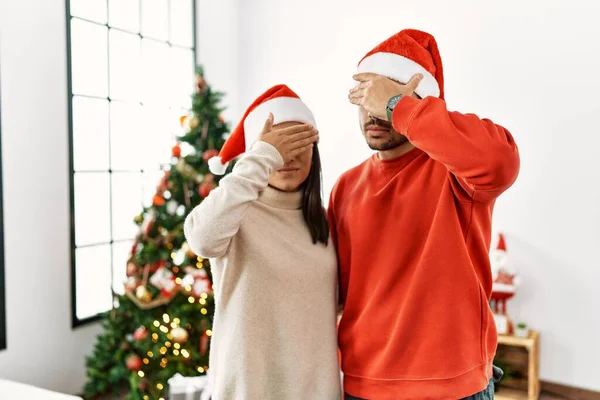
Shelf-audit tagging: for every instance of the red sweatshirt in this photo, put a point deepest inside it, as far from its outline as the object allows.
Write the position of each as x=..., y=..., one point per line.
x=413, y=237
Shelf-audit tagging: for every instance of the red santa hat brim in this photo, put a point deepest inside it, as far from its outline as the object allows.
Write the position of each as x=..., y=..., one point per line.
x=401, y=69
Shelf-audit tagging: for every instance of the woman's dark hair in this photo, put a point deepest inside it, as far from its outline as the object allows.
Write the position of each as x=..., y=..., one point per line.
x=312, y=202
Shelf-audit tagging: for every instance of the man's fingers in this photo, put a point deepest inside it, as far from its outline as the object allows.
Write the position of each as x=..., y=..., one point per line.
x=362, y=85
x=365, y=76
x=357, y=100
x=414, y=82
x=357, y=93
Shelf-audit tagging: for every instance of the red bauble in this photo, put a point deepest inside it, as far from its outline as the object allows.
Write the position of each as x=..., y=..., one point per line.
x=208, y=154
x=176, y=151
x=133, y=363
x=140, y=333
x=205, y=189
x=131, y=268
x=158, y=200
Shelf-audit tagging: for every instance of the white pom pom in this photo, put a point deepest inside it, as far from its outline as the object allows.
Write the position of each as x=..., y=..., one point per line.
x=216, y=166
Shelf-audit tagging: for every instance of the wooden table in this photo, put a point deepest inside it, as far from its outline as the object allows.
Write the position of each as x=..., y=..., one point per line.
x=525, y=389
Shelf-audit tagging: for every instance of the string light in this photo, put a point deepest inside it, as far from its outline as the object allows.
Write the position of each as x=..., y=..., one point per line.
x=170, y=337
x=168, y=344
x=175, y=270
x=177, y=321
x=185, y=353
x=166, y=318
x=202, y=301
x=199, y=265
x=164, y=329
x=146, y=361
x=178, y=281
x=146, y=397
x=163, y=350
x=141, y=374
x=173, y=255
x=200, y=259
x=204, y=311
x=204, y=295
x=173, y=325
x=191, y=299
x=177, y=345
x=159, y=386
x=155, y=336
x=150, y=354
x=208, y=332
x=163, y=361
x=200, y=369
x=156, y=324
x=188, y=288
x=176, y=352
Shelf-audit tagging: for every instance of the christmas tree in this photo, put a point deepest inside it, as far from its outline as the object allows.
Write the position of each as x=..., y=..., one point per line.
x=162, y=324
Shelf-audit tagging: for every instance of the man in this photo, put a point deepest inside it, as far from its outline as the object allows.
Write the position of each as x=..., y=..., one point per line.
x=412, y=226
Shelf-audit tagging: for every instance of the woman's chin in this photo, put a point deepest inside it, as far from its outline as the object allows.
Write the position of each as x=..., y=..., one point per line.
x=285, y=185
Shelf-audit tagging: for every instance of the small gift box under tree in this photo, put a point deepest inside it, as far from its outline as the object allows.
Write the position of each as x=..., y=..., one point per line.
x=189, y=388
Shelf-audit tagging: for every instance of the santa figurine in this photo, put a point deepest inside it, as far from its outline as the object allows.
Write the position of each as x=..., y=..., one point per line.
x=505, y=282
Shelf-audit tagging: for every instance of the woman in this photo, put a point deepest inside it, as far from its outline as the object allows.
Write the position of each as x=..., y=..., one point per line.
x=274, y=269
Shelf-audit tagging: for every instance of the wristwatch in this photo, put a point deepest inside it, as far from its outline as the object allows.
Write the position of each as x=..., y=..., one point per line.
x=389, y=109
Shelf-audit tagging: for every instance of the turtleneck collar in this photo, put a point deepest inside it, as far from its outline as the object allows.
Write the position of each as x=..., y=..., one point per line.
x=278, y=199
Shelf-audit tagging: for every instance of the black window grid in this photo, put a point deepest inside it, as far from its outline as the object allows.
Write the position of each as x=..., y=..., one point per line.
x=2, y=280
x=75, y=321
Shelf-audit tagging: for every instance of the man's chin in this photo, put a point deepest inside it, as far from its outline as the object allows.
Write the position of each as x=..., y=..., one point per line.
x=384, y=145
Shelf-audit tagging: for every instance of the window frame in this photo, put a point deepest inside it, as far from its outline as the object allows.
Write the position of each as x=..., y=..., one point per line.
x=75, y=321
x=3, y=327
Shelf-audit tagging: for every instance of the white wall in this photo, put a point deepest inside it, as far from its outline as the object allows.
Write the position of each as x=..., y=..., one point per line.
x=218, y=50
x=42, y=348
x=531, y=66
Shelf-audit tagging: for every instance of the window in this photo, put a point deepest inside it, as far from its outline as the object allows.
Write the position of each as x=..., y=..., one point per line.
x=131, y=70
x=2, y=287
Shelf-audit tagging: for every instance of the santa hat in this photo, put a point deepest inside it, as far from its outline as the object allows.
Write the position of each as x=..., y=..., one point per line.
x=280, y=100
x=405, y=54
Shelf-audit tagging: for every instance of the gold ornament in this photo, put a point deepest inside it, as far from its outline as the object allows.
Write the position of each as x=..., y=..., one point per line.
x=143, y=294
x=194, y=123
x=180, y=335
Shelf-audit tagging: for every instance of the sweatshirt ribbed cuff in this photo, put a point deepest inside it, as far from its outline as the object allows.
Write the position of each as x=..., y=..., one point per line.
x=269, y=152
x=404, y=112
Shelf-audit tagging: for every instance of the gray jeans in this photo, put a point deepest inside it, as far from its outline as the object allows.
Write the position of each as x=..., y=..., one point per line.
x=486, y=394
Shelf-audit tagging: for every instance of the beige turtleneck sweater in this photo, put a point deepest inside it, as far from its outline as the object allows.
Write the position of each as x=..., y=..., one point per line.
x=274, y=331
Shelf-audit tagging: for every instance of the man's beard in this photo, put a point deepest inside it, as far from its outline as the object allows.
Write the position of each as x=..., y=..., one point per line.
x=395, y=140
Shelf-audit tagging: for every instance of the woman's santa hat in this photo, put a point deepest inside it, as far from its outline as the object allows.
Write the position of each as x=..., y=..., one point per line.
x=282, y=102
x=405, y=54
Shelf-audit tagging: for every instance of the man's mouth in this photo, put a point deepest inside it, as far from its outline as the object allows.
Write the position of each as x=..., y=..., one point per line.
x=377, y=131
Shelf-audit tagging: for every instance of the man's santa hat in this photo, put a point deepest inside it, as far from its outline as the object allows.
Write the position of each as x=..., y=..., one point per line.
x=405, y=54
x=280, y=100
